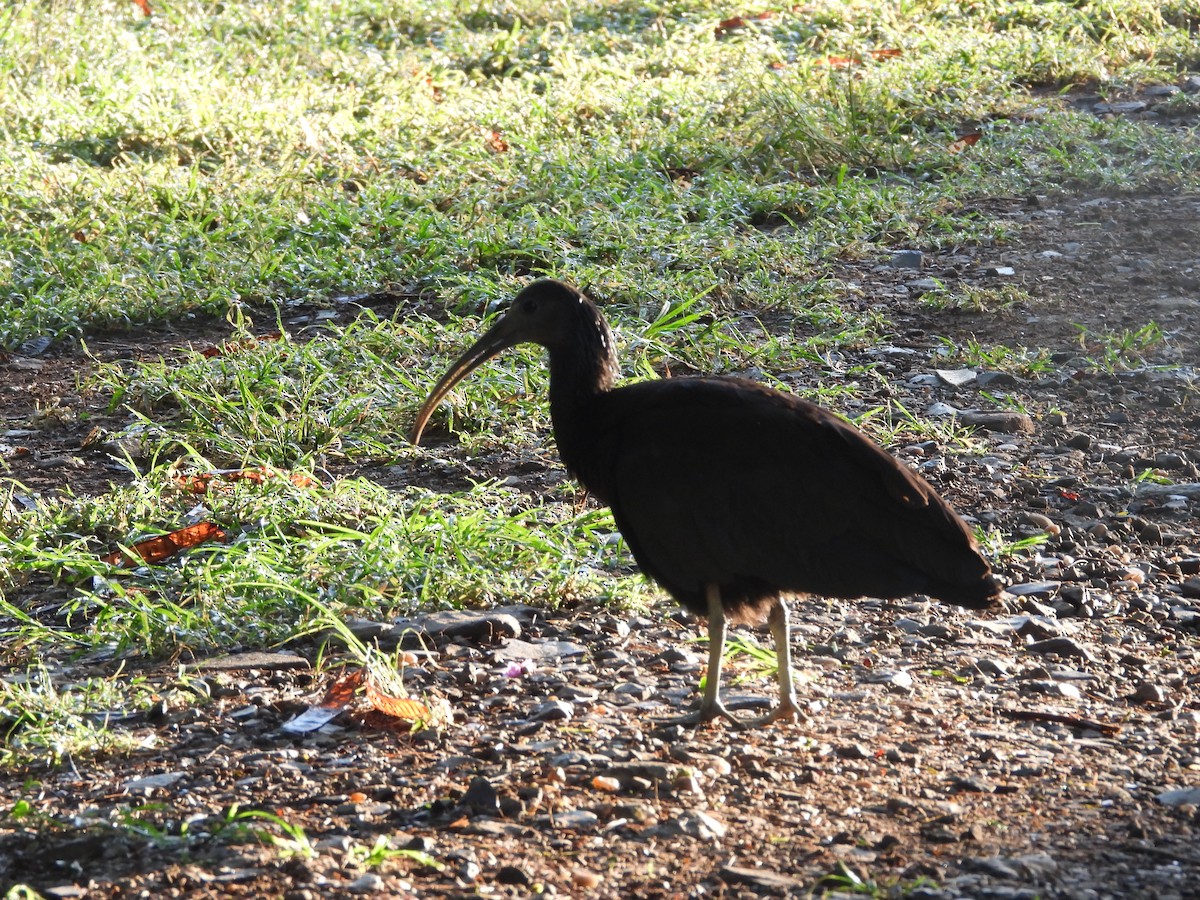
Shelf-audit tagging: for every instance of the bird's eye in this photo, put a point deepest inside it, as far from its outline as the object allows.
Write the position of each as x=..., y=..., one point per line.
x=531, y=307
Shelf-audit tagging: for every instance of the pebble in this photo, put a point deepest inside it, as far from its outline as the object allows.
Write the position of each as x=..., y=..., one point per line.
x=512, y=875
x=1061, y=646
x=1148, y=693
x=908, y=259
x=576, y=819
x=695, y=824
x=553, y=711
x=370, y=883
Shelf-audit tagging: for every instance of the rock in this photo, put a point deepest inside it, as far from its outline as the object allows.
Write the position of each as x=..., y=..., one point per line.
x=1062, y=647
x=1124, y=107
x=517, y=650
x=908, y=259
x=1007, y=422
x=575, y=819
x=694, y=824
x=462, y=623
x=1148, y=693
x=956, y=377
x=1002, y=271
x=370, y=883
x=769, y=882
x=512, y=875
x=553, y=711
x=481, y=797
x=1180, y=797
x=996, y=380
x=1035, y=588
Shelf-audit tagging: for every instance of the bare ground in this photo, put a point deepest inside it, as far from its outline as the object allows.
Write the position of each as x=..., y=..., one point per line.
x=1030, y=754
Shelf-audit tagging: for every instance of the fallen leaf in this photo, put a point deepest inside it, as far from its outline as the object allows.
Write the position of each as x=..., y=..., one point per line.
x=841, y=62
x=156, y=549
x=967, y=140
x=396, y=707
x=726, y=26
x=494, y=142
x=239, y=346
x=341, y=692
x=202, y=483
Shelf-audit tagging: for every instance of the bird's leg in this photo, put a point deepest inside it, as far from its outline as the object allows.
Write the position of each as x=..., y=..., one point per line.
x=711, y=706
x=777, y=621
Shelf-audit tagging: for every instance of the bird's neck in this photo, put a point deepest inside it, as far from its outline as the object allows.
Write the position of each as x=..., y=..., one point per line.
x=581, y=369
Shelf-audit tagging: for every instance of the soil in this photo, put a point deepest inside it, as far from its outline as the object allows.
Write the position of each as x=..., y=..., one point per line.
x=1049, y=750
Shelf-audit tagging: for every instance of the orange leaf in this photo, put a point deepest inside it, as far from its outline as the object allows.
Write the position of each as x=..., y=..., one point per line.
x=493, y=141
x=200, y=484
x=239, y=346
x=397, y=707
x=842, y=62
x=144, y=6
x=341, y=692
x=156, y=549
x=725, y=26
x=967, y=140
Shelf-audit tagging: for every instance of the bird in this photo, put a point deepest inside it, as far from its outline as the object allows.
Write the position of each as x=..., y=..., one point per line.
x=734, y=497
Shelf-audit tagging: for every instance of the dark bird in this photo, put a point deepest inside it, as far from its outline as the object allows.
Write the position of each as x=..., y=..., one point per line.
x=730, y=494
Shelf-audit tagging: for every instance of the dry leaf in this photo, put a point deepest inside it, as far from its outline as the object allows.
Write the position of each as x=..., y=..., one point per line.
x=156, y=549
x=200, y=484
x=238, y=346
x=494, y=142
x=396, y=707
x=967, y=140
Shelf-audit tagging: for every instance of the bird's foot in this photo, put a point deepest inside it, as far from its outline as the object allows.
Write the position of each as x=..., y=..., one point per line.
x=705, y=713
x=787, y=710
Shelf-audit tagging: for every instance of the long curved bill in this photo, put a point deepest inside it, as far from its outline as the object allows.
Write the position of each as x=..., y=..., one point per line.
x=498, y=338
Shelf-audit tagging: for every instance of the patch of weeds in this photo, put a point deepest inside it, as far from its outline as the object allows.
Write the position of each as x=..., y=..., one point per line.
x=1021, y=361
x=997, y=546
x=239, y=826
x=977, y=299
x=382, y=851
x=46, y=719
x=1113, y=351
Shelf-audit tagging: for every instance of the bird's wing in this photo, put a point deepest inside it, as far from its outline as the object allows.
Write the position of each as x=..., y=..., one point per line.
x=717, y=480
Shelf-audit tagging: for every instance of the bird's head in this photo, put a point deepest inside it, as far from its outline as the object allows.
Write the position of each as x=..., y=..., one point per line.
x=546, y=312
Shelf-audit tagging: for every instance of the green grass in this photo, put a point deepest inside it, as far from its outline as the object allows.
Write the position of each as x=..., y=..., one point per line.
x=240, y=160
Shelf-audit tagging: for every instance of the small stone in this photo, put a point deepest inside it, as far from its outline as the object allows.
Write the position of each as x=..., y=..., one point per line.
x=1148, y=693
x=1180, y=797
x=512, y=875
x=553, y=711
x=996, y=380
x=370, y=883
x=481, y=797
x=469, y=870
x=586, y=879
x=854, y=751
x=1061, y=646
x=1122, y=108
x=908, y=259
x=606, y=783
x=694, y=824
x=956, y=377
x=1053, y=688
x=1035, y=589
x=1007, y=422
x=576, y=819
x=1003, y=271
